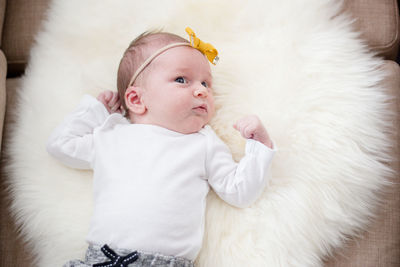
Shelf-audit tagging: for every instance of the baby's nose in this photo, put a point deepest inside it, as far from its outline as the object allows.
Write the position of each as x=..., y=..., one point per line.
x=201, y=91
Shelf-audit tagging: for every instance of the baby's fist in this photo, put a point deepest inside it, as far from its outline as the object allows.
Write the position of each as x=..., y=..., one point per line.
x=250, y=127
x=111, y=101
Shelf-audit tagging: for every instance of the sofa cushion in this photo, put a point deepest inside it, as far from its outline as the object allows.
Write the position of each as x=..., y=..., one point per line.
x=2, y=12
x=21, y=23
x=379, y=23
x=3, y=71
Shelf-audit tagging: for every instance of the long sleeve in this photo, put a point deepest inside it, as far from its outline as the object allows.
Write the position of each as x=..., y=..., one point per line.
x=239, y=184
x=72, y=141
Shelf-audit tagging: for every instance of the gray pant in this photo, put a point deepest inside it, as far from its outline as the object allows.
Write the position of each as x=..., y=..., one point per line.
x=94, y=255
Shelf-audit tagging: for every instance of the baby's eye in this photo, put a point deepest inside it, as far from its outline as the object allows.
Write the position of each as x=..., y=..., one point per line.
x=205, y=84
x=180, y=80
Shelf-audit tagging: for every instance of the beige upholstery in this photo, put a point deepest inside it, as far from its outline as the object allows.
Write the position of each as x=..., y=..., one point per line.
x=22, y=17
x=379, y=25
x=378, y=20
x=3, y=72
x=2, y=12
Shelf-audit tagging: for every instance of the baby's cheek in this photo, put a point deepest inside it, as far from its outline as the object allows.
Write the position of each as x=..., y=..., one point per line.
x=211, y=100
x=212, y=113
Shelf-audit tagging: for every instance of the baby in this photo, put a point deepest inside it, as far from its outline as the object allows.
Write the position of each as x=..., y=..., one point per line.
x=154, y=167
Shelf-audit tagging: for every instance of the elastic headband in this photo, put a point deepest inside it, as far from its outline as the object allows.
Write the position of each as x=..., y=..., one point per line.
x=148, y=60
x=207, y=49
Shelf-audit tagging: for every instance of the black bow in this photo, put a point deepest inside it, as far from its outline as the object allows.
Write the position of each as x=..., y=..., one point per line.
x=116, y=260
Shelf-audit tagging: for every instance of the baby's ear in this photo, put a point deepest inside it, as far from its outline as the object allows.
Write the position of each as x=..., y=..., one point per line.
x=133, y=100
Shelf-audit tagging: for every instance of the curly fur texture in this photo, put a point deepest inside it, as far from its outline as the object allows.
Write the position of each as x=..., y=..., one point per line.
x=296, y=64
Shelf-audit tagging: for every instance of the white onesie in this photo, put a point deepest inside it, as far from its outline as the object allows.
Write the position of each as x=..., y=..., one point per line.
x=151, y=183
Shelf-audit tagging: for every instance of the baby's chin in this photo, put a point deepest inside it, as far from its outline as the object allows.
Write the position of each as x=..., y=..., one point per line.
x=189, y=128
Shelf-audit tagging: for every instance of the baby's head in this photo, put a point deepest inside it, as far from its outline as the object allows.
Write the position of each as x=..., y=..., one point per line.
x=164, y=81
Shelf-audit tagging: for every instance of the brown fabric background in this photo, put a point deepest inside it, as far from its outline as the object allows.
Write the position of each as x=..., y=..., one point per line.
x=378, y=20
x=2, y=13
x=3, y=71
x=22, y=21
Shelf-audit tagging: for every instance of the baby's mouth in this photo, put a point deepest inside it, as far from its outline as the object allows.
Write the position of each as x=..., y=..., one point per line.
x=201, y=109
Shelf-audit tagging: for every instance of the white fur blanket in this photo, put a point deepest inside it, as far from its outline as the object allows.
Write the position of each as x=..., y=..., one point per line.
x=293, y=62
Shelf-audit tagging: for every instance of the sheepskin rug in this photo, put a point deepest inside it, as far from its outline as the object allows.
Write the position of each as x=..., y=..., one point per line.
x=295, y=63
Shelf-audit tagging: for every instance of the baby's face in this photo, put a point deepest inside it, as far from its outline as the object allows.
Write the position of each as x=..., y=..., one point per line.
x=177, y=91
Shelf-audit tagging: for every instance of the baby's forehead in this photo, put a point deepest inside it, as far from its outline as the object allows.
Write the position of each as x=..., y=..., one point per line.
x=185, y=57
x=152, y=42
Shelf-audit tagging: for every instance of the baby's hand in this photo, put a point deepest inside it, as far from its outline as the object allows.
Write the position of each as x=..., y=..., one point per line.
x=111, y=101
x=250, y=127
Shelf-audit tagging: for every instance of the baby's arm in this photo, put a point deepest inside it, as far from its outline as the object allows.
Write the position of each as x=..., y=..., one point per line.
x=239, y=184
x=72, y=141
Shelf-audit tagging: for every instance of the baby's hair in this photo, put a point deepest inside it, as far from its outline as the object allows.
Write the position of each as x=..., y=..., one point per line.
x=137, y=52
